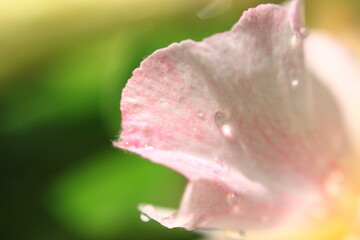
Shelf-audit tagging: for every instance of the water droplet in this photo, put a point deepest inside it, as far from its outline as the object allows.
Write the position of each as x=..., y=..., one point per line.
x=221, y=118
x=294, y=82
x=147, y=147
x=226, y=130
x=223, y=165
x=294, y=41
x=126, y=143
x=200, y=114
x=297, y=39
x=144, y=218
x=304, y=32
x=163, y=103
x=220, y=162
x=233, y=198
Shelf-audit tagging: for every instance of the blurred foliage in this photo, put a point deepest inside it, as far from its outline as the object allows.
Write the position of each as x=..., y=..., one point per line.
x=62, y=68
x=99, y=198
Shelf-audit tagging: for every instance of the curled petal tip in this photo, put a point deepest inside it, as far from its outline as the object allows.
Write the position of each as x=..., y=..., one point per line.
x=296, y=17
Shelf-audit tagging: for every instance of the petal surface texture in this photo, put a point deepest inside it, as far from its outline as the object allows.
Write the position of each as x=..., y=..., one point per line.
x=339, y=70
x=238, y=116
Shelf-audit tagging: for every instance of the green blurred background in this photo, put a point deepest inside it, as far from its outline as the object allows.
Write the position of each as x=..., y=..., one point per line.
x=63, y=65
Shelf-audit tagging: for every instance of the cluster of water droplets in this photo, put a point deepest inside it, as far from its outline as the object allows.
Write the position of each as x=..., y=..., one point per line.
x=129, y=129
x=221, y=162
x=295, y=43
x=135, y=144
x=222, y=122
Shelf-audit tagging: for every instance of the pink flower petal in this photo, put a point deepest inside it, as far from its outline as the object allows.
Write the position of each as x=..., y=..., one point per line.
x=238, y=115
x=338, y=69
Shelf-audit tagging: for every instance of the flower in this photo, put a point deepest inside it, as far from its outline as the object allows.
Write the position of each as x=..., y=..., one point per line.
x=256, y=130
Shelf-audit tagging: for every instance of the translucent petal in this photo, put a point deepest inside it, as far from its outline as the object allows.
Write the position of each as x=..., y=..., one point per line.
x=241, y=118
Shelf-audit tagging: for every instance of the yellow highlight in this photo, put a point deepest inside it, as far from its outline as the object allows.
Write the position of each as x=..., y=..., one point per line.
x=341, y=222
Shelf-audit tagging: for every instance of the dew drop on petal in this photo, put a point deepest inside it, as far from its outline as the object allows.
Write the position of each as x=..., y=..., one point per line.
x=200, y=114
x=226, y=130
x=144, y=218
x=220, y=118
x=223, y=165
x=294, y=82
x=304, y=32
x=294, y=41
x=148, y=147
x=233, y=198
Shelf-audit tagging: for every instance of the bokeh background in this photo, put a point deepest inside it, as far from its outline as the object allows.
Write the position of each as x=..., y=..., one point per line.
x=63, y=65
